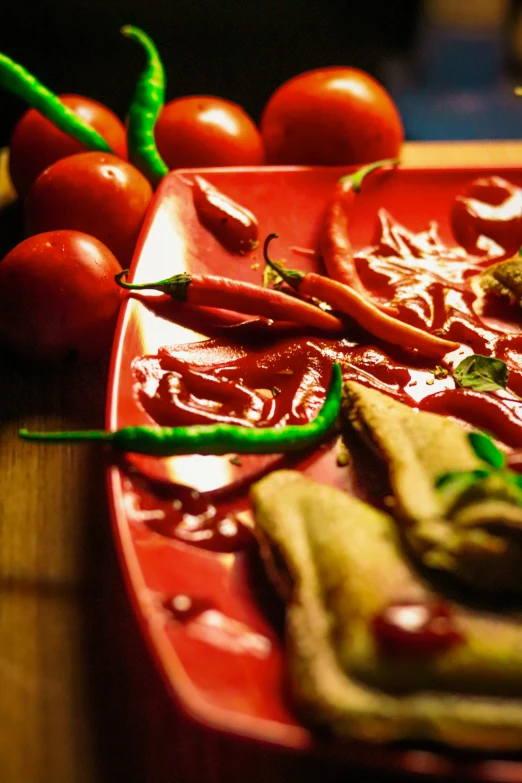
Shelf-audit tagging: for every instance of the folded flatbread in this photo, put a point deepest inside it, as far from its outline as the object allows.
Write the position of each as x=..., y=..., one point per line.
x=338, y=563
x=474, y=533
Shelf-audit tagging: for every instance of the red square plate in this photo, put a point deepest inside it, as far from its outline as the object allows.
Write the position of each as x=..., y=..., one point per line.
x=227, y=671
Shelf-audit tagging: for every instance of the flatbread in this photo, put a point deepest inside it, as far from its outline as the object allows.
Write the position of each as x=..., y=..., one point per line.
x=339, y=562
x=475, y=535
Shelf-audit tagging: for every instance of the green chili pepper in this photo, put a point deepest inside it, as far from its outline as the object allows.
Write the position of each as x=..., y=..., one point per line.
x=144, y=110
x=215, y=438
x=18, y=80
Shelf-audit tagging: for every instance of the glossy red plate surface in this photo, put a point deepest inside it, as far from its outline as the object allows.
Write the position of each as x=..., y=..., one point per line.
x=227, y=672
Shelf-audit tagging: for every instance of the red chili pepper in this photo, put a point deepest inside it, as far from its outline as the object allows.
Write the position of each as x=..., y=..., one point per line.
x=346, y=300
x=232, y=225
x=484, y=411
x=490, y=208
x=334, y=241
x=212, y=291
x=211, y=320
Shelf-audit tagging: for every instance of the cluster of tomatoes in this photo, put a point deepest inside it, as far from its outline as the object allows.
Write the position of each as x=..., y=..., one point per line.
x=83, y=210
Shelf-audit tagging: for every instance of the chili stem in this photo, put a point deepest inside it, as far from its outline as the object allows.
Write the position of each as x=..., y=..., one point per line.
x=291, y=276
x=344, y=299
x=213, y=439
x=60, y=437
x=142, y=286
x=241, y=297
x=357, y=177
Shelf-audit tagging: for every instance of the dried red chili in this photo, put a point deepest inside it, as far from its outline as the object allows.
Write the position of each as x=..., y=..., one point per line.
x=485, y=411
x=234, y=226
x=345, y=300
x=334, y=241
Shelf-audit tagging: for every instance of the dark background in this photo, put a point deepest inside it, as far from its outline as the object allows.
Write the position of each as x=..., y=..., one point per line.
x=238, y=49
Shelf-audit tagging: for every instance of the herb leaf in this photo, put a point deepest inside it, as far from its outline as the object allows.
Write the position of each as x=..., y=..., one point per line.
x=486, y=450
x=482, y=373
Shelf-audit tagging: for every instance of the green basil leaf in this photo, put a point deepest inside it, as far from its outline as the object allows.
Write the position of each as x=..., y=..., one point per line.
x=482, y=373
x=486, y=450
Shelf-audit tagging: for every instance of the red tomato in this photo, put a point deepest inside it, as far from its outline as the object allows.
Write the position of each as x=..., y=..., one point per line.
x=92, y=192
x=201, y=130
x=36, y=142
x=489, y=208
x=58, y=298
x=331, y=116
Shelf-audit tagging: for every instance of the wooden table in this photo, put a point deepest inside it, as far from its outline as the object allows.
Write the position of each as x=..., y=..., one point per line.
x=79, y=699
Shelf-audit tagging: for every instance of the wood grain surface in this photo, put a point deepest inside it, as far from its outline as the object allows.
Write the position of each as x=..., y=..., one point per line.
x=80, y=701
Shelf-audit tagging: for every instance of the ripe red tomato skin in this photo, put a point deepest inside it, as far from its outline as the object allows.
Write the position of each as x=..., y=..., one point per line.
x=203, y=130
x=36, y=143
x=58, y=298
x=331, y=116
x=93, y=192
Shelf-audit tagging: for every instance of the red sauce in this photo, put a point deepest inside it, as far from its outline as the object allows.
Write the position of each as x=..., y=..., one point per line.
x=488, y=211
x=260, y=379
x=234, y=226
x=422, y=629
x=185, y=515
x=267, y=384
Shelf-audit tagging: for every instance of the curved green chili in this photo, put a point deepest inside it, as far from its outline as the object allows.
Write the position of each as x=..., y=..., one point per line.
x=146, y=105
x=214, y=438
x=18, y=80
